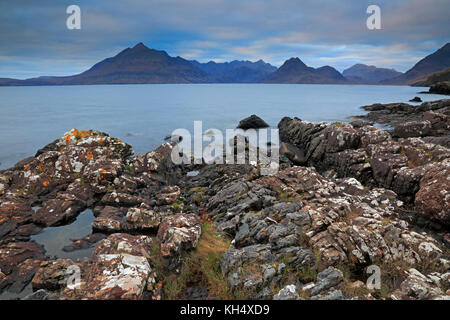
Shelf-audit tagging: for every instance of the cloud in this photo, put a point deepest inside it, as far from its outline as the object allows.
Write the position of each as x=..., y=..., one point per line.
x=36, y=42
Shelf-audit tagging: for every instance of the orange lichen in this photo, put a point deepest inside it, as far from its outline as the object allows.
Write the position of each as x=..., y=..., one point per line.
x=103, y=171
x=45, y=183
x=25, y=167
x=89, y=156
x=67, y=139
x=41, y=166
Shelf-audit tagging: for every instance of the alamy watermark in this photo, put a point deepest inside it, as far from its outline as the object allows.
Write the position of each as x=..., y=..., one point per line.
x=235, y=147
x=374, y=20
x=73, y=22
x=73, y=274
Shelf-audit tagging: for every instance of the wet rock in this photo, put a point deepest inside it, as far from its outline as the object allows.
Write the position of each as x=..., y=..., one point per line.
x=84, y=243
x=252, y=122
x=416, y=99
x=292, y=153
x=109, y=219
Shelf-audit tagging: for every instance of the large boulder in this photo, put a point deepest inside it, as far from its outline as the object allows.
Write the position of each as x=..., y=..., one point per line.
x=433, y=198
x=252, y=122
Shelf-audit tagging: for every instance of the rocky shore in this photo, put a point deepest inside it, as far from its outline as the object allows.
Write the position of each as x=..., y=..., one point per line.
x=346, y=198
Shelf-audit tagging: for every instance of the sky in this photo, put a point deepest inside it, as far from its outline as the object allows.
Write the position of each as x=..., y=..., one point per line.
x=34, y=39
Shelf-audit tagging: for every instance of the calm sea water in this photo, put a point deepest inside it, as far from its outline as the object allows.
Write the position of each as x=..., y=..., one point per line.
x=142, y=115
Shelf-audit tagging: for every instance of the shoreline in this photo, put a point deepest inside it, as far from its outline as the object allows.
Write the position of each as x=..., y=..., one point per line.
x=345, y=197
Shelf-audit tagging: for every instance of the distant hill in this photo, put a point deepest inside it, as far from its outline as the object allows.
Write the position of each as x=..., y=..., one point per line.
x=441, y=76
x=136, y=65
x=237, y=71
x=295, y=71
x=369, y=74
x=435, y=62
x=140, y=65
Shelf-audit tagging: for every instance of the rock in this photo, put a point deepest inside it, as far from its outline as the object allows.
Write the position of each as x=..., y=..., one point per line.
x=118, y=243
x=18, y=263
x=168, y=195
x=292, y=153
x=116, y=199
x=440, y=88
x=120, y=269
x=179, y=233
x=385, y=166
x=418, y=286
x=290, y=225
x=358, y=123
x=413, y=129
x=252, y=122
x=399, y=113
x=54, y=275
x=433, y=197
x=41, y=295
x=440, y=123
x=327, y=279
x=141, y=219
x=234, y=258
x=333, y=294
x=84, y=243
x=287, y=293
x=59, y=211
x=118, y=276
x=416, y=99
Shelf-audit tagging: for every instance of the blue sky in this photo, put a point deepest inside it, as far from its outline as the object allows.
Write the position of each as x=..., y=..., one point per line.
x=34, y=40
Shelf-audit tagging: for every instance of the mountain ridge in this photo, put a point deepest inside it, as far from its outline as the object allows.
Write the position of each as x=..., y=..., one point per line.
x=143, y=65
x=295, y=70
x=435, y=62
x=363, y=73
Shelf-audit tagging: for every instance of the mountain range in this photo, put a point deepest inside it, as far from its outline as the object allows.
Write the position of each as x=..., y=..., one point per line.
x=369, y=74
x=140, y=64
x=295, y=71
x=237, y=71
x=435, y=62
